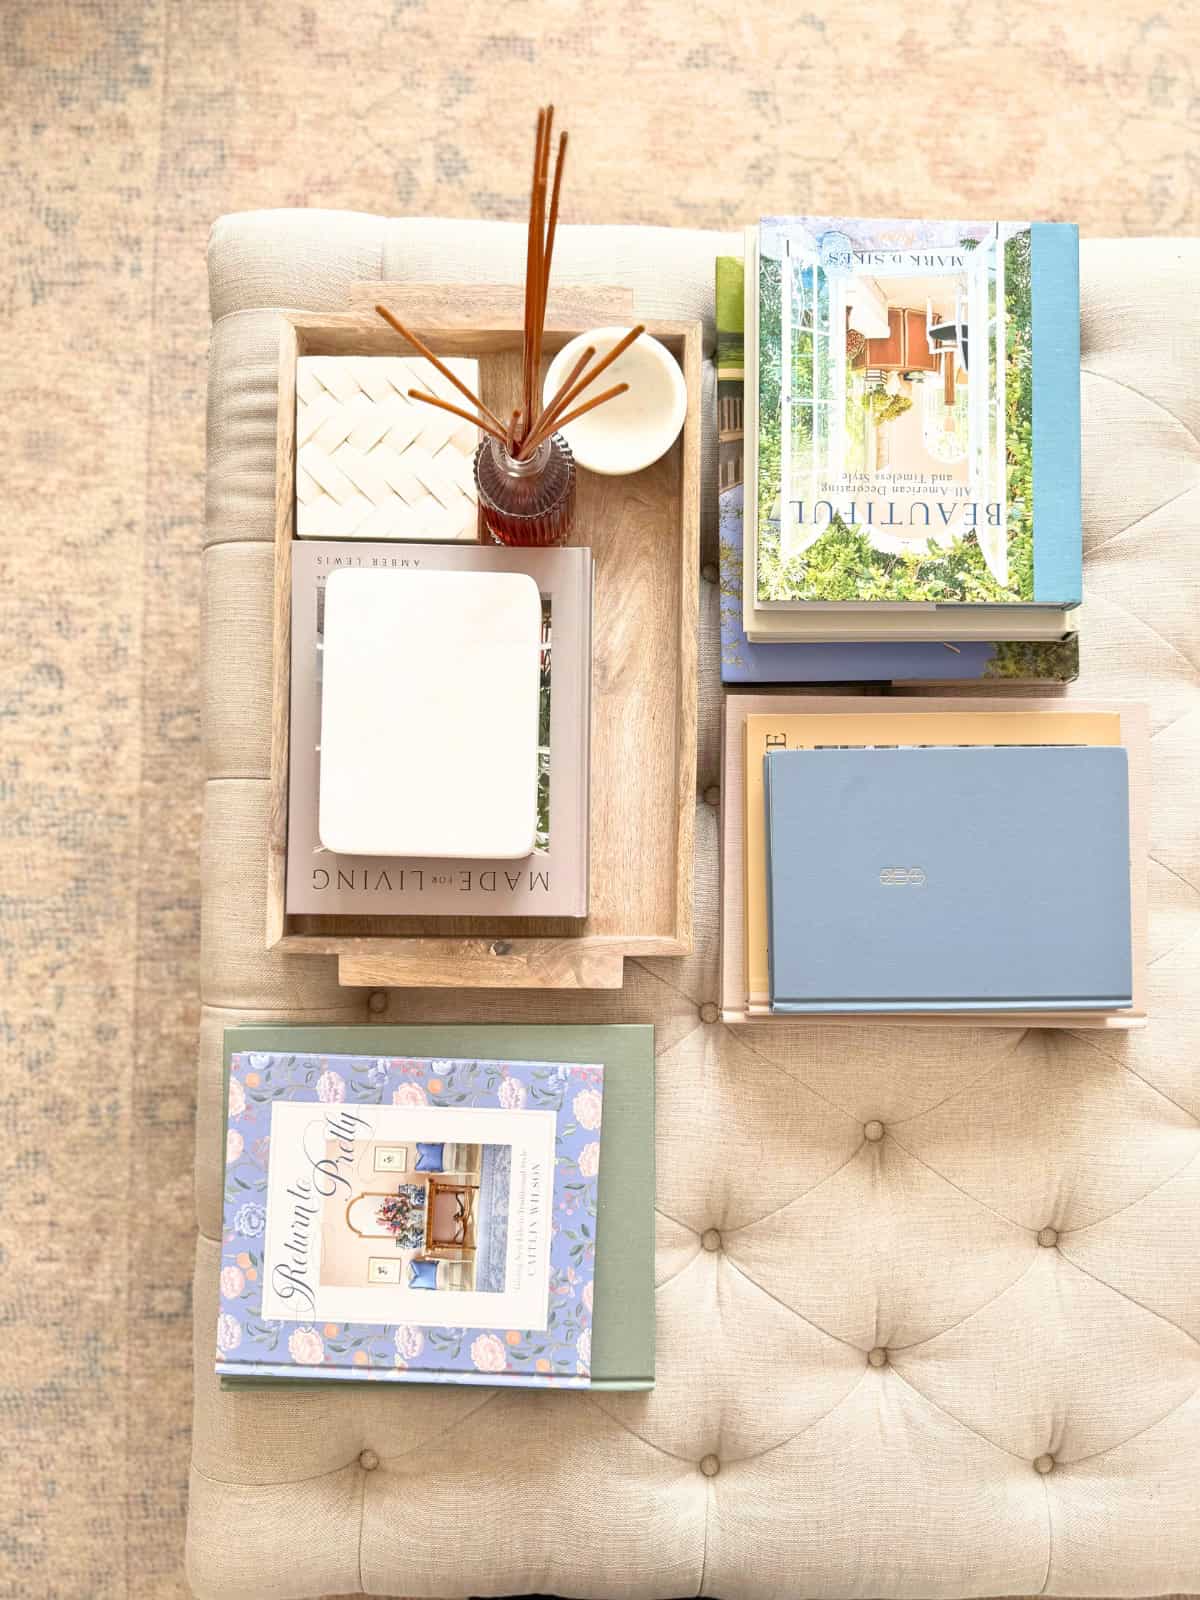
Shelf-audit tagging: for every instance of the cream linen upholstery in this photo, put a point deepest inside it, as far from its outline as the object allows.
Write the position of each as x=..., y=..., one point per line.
x=823, y=1193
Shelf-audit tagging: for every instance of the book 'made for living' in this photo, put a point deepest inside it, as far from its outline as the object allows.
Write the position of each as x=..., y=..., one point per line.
x=913, y=437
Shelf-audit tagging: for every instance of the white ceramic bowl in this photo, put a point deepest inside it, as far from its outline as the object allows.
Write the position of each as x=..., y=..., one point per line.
x=628, y=433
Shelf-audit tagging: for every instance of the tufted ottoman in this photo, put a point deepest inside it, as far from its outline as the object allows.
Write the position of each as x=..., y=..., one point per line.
x=929, y=1302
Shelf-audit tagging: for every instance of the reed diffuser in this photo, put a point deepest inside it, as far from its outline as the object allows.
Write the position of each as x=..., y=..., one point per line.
x=524, y=470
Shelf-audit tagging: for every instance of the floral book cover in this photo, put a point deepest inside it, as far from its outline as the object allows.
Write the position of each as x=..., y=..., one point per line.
x=413, y=1220
x=916, y=389
x=898, y=662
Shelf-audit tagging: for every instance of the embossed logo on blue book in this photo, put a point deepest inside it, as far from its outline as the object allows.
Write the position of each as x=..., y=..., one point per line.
x=893, y=877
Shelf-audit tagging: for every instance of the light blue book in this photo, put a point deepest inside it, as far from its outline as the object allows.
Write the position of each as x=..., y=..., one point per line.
x=949, y=879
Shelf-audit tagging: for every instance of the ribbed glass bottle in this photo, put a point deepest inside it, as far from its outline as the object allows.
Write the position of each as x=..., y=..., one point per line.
x=526, y=502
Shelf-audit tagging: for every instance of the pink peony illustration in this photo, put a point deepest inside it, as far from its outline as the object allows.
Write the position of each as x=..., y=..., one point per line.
x=587, y=1106
x=229, y=1333
x=409, y=1342
x=234, y=1144
x=306, y=1347
x=589, y=1160
x=233, y=1281
x=331, y=1088
x=237, y=1098
x=583, y=1346
x=511, y=1094
x=586, y=1296
x=409, y=1094
x=488, y=1354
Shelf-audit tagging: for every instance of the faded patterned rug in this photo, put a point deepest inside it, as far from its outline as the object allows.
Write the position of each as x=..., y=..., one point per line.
x=129, y=125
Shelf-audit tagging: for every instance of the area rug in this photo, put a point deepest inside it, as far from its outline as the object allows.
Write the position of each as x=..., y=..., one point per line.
x=130, y=125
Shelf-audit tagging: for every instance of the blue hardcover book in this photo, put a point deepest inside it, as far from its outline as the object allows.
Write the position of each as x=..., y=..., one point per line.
x=949, y=879
x=896, y=662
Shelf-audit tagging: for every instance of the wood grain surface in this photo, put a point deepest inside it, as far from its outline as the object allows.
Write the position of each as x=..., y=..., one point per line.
x=644, y=534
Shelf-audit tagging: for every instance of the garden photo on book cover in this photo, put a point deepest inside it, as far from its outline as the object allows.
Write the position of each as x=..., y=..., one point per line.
x=895, y=412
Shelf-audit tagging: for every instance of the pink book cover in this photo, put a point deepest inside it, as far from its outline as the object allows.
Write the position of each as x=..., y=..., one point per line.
x=553, y=880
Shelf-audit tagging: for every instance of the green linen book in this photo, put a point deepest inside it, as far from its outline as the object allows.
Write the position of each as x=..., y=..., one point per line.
x=606, y=1278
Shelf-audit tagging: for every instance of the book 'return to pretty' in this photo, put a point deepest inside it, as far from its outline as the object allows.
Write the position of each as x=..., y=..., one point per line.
x=409, y=1219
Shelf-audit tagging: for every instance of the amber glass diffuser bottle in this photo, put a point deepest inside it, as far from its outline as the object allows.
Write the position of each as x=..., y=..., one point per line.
x=530, y=500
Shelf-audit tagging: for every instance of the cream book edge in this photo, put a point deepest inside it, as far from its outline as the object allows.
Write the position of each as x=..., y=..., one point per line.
x=735, y=1005
x=960, y=624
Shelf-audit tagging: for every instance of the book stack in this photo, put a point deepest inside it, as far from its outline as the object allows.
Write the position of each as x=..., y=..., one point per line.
x=439, y=730
x=898, y=856
x=898, y=415
x=438, y=1205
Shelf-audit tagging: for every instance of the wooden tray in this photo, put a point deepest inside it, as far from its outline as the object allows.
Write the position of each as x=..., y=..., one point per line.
x=644, y=533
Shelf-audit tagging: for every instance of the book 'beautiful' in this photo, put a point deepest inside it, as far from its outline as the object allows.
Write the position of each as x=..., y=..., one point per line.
x=912, y=428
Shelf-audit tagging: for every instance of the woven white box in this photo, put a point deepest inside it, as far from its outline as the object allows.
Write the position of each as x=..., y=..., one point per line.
x=371, y=463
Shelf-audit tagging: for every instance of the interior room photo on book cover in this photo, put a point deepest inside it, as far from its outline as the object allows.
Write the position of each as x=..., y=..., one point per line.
x=372, y=1232
x=895, y=411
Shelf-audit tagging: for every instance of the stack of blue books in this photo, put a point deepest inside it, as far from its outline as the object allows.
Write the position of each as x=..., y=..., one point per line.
x=898, y=448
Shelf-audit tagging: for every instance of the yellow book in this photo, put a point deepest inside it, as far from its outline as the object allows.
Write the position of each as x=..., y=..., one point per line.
x=804, y=731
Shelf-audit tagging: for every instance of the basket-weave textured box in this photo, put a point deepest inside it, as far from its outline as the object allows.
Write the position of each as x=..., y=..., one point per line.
x=372, y=463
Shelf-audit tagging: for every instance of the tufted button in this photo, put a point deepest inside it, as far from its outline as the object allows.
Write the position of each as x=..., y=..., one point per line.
x=873, y=1131
x=712, y=795
x=709, y=1012
x=711, y=1239
x=368, y=1460
x=1044, y=1464
x=710, y=1466
x=709, y=572
x=878, y=1357
x=377, y=1001
x=1048, y=1238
